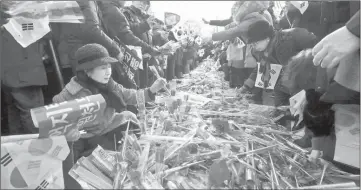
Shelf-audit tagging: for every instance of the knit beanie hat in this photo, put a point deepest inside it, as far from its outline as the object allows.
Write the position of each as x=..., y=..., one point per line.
x=258, y=31
x=92, y=55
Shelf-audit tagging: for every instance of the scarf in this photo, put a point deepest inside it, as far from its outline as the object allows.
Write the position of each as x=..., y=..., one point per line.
x=110, y=96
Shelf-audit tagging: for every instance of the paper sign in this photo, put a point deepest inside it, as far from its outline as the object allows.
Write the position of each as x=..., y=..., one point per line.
x=198, y=40
x=35, y=163
x=139, y=54
x=131, y=61
x=274, y=74
x=60, y=118
x=171, y=19
x=300, y=5
x=347, y=128
x=297, y=105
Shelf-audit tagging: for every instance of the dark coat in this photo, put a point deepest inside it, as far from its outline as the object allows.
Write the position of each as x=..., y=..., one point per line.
x=321, y=18
x=138, y=24
x=21, y=67
x=117, y=25
x=158, y=39
x=73, y=36
x=284, y=45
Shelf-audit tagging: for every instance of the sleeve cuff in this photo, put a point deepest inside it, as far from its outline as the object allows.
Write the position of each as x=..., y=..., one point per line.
x=353, y=25
x=151, y=95
x=249, y=83
x=318, y=143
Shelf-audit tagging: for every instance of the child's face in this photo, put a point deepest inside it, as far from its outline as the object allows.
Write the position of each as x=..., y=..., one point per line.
x=260, y=45
x=101, y=74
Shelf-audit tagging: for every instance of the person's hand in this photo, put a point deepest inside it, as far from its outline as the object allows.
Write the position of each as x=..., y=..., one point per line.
x=243, y=89
x=159, y=84
x=73, y=135
x=155, y=51
x=205, y=21
x=146, y=56
x=314, y=156
x=120, y=56
x=334, y=47
x=128, y=116
x=97, y=128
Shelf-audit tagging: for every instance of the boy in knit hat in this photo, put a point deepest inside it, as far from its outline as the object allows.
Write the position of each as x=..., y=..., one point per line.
x=273, y=47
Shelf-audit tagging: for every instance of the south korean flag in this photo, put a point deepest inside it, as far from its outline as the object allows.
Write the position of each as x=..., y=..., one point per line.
x=198, y=40
x=300, y=5
x=201, y=52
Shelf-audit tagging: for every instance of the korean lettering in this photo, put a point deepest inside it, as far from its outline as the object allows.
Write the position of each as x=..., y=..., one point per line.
x=85, y=120
x=60, y=130
x=88, y=111
x=58, y=117
x=127, y=57
x=130, y=74
x=134, y=63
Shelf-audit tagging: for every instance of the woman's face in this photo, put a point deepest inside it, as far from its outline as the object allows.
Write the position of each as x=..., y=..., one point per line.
x=260, y=45
x=101, y=74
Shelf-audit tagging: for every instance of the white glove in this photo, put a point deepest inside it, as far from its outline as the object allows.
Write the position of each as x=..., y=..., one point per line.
x=159, y=84
x=127, y=115
x=314, y=156
x=120, y=56
x=73, y=135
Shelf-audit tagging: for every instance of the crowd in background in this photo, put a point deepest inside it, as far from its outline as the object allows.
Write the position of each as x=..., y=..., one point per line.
x=310, y=46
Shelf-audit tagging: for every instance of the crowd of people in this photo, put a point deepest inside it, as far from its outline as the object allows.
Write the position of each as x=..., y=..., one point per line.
x=87, y=53
x=310, y=46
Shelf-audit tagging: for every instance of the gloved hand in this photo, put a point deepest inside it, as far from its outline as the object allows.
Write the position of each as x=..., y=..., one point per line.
x=73, y=135
x=120, y=56
x=127, y=115
x=244, y=89
x=96, y=129
x=314, y=156
x=155, y=51
x=159, y=84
